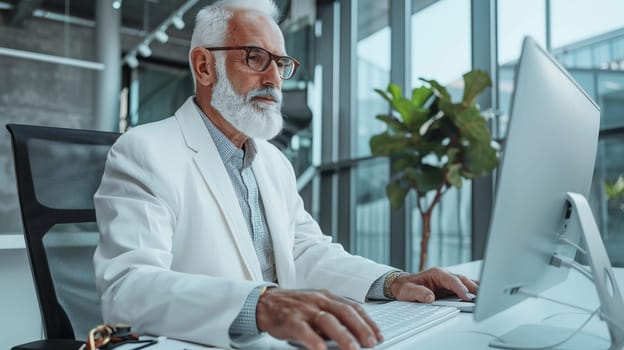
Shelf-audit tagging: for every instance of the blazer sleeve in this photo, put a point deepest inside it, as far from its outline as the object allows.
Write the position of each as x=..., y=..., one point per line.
x=136, y=208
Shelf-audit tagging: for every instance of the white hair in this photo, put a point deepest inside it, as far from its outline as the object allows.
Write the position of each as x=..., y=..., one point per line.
x=211, y=23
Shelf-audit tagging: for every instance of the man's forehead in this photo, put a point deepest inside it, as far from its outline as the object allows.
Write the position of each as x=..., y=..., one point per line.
x=252, y=28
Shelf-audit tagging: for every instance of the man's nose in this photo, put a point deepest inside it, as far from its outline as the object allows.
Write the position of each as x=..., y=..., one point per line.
x=271, y=76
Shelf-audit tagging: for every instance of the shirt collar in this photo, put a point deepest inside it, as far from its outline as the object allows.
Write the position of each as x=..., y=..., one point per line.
x=225, y=146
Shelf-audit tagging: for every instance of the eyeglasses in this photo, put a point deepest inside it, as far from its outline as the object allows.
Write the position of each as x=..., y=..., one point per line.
x=108, y=337
x=259, y=59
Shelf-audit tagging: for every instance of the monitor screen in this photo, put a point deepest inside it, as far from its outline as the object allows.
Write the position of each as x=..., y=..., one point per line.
x=550, y=149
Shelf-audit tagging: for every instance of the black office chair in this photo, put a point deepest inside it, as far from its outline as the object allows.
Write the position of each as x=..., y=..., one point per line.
x=57, y=172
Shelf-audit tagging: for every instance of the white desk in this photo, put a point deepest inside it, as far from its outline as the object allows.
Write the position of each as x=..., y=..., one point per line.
x=461, y=332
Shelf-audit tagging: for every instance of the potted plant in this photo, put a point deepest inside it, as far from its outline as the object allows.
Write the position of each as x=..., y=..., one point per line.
x=433, y=143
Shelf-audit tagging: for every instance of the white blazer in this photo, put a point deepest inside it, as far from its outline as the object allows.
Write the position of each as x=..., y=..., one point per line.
x=175, y=256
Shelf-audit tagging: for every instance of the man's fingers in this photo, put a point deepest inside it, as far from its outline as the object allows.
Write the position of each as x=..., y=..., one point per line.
x=306, y=316
x=473, y=286
x=331, y=327
x=461, y=286
x=368, y=320
x=363, y=329
x=304, y=333
x=414, y=292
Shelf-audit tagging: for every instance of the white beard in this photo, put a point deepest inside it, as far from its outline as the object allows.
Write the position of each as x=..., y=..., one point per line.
x=253, y=118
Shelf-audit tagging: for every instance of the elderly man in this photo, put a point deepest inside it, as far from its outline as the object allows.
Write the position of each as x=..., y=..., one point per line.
x=203, y=235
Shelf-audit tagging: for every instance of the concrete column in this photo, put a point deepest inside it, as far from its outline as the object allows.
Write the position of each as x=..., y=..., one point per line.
x=108, y=52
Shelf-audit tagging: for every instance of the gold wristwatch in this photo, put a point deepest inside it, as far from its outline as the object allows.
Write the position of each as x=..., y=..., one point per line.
x=392, y=276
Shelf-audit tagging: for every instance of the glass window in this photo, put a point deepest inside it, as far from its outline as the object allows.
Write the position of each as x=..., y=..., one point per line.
x=371, y=236
x=372, y=210
x=161, y=91
x=441, y=50
x=602, y=55
x=618, y=50
x=586, y=79
x=373, y=71
x=609, y=212
x=441, y=42
x=611, y=99
x=576, y=20
x=516, y=19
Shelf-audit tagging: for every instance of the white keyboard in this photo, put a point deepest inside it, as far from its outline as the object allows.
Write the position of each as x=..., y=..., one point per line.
x=398, y=320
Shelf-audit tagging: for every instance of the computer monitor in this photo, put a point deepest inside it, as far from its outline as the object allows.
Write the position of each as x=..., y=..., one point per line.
x=549, y=151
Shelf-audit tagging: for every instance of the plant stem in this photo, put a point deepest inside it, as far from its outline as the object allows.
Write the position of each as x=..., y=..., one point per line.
x=426, y=225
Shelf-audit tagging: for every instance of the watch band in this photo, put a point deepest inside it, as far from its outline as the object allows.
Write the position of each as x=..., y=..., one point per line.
x=392, y=276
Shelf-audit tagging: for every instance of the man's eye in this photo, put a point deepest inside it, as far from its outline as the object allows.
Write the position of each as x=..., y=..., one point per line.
x=284, y=63
x=254, y=57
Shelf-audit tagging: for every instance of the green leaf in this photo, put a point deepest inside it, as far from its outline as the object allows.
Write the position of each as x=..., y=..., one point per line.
x=384, y=95
x=473, y=126
x=439, y=90
x=451, y=110
x=396, y=192
x=404, y=162
x=419, y=117
x=393, y=123
x=388, y=145
x=475, y=82
x=427, y=178
x=420, y=95
x=453, y=175
x=395, y=91
x=451, y=154
x=406, y=109
x=479, y=159
x=615, y=189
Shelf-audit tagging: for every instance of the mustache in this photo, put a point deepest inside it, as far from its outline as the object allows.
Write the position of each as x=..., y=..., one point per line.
x=267, y=91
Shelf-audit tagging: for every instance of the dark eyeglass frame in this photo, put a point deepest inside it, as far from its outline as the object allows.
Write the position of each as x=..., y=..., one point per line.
x=272, y=56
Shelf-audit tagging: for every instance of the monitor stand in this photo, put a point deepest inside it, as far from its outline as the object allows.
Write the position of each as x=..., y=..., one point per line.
x=611, y=302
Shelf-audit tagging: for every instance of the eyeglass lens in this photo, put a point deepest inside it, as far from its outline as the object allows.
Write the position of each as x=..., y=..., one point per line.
x=259, y=60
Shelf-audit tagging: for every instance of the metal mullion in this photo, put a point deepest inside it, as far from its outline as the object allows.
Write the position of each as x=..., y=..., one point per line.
x=328, y=14
x=400, y=74
x=346, y=108
x=484, y=56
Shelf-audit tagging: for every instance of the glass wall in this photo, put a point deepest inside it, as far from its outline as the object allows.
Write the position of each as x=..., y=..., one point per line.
x=373, y=71
x=441, y=42
x=516, y=19
x=372, y=210
x=371, y=235
x=441, y=51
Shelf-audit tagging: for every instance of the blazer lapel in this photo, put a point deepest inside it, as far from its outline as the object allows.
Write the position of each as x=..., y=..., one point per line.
x=215, y=176
x=275, y=209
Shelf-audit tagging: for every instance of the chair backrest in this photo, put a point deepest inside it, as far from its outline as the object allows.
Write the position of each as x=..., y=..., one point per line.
x=58, y=171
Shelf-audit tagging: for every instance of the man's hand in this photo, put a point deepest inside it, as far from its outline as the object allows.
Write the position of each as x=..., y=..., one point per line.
x=311, y=316
x=434, y=283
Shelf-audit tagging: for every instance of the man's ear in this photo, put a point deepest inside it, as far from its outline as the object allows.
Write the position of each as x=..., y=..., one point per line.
x=203, y=64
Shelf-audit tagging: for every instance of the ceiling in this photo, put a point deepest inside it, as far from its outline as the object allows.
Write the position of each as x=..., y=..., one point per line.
x=135, y=14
